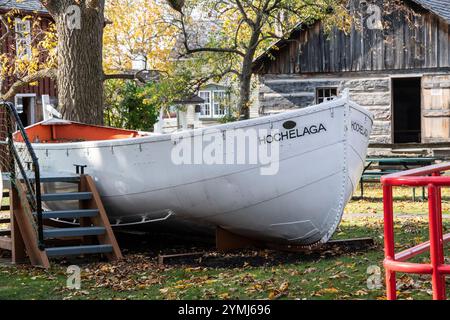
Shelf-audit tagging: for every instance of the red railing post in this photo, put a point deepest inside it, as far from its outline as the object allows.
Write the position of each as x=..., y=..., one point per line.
x=398, y=262
x=389, y=241
x=440, y=230
x=436, y=242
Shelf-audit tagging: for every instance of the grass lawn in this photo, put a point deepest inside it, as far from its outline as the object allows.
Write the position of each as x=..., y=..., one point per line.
x=242, y=275
x=373, y=201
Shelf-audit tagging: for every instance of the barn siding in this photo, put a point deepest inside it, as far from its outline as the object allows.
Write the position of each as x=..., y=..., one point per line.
x=422, y=43
x=364, y=61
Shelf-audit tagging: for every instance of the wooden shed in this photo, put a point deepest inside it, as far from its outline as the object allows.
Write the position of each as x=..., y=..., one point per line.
x=395, y=62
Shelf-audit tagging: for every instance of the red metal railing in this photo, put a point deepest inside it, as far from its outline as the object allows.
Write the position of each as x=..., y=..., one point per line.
x=431, y=178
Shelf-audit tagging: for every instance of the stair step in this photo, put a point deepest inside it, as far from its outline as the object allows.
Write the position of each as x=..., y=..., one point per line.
x=73, y=232
x=52, y=178
x=5, y=220
x=70, y=179
x=67, y=196
x=5, y=178
x=77, y=250
x=4, y=208
x=5, y=232
x=69, y=214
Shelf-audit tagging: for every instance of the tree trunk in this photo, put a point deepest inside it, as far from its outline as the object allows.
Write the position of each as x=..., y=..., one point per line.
x=245, y=80
x=80, y=69
x=244, y=95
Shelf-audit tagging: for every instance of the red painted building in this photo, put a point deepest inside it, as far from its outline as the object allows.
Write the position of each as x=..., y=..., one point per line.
x=29, y=100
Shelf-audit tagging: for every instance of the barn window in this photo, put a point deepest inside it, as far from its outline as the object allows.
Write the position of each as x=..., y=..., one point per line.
x=324, y=94
x=23, y=38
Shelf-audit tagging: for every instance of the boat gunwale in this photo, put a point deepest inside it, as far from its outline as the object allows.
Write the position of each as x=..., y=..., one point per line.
x=337, y=103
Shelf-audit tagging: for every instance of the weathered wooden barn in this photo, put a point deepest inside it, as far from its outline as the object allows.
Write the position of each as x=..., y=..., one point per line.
x=395, y=60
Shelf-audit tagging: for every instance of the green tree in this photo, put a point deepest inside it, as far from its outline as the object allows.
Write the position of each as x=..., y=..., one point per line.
x=241, y=29
x=127, y=106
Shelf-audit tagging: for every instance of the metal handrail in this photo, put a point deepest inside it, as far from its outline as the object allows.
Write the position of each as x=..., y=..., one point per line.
x=396, y=262
x=34, y=196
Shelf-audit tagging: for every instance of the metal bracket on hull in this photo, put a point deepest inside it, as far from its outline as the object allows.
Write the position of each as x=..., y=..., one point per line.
x=144, y=220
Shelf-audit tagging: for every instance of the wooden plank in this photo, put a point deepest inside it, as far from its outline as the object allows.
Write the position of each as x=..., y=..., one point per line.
x=163, y=258
x=408, y=42
x=228, y=241
x=5, y=243
x=436, y=113
x=443, y=44
x=23, y=233
x=348, y=245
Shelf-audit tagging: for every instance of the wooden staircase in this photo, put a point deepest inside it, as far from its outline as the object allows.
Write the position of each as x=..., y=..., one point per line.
x=92, y=235
x=38, y=235
x=5, y=220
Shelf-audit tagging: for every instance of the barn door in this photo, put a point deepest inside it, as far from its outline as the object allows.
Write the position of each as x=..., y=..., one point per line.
x=436, y=108
x=406, y=98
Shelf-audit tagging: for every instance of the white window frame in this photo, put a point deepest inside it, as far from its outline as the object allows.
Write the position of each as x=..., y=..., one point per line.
x=211, y=105
x=23, y=38
x=206, y=105
x=32, y=111
x=216, y=115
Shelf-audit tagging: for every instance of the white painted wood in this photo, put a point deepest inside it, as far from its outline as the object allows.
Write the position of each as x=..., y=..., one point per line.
x=303, y=203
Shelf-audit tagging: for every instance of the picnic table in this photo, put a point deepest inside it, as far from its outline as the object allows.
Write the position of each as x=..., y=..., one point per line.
x=377, y=167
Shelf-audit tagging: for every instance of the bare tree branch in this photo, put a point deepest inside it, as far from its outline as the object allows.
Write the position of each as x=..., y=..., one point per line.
x=244, y=14
x=7, y=29
x=203, y=49
x=46, y=73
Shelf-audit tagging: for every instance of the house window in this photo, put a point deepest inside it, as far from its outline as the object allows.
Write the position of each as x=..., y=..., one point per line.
x=324, y=94
x=219, y=103
x=23, y=38
x=205, y=107
x=215, y=105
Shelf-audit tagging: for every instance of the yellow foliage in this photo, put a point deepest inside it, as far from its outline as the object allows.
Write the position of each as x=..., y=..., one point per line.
x=15, y=62
x=136, y=27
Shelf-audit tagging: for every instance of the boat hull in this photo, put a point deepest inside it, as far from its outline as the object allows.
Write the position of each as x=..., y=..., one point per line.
x=319, y=164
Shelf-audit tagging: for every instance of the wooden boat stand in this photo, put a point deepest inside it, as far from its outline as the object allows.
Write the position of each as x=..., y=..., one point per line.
x=227, y=241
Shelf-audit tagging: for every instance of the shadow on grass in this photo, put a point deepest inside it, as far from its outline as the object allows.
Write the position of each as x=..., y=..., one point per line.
x=152, y=245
